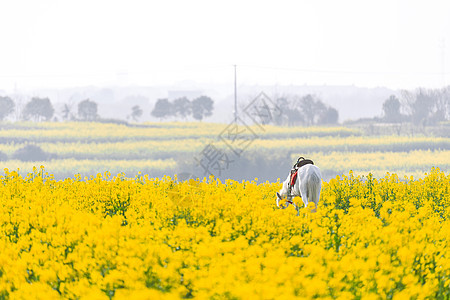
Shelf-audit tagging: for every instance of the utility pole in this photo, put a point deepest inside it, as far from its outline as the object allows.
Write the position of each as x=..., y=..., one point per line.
x=235, y=96
x=442, y=46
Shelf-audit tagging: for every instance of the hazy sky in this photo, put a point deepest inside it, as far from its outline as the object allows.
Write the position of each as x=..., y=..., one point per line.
x=54, y=43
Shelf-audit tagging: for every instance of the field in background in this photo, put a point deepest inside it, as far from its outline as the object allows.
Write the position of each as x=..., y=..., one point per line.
x=159, y=149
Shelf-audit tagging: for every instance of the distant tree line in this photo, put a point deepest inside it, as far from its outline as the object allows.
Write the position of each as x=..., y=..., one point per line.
x=199, y=108
x=307, y=110
x=41, y=109
x=423, y=107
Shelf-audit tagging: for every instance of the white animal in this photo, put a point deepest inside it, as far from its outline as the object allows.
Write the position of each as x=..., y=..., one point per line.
x=307, y=186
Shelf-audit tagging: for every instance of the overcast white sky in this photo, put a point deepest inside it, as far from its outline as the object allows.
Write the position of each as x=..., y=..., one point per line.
x=54, y=43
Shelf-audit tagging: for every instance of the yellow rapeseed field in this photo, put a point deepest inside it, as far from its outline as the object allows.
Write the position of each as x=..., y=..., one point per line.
x=166, y=148
x=146, y=238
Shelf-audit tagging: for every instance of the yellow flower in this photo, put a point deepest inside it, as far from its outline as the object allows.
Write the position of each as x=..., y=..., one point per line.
x=122, y=237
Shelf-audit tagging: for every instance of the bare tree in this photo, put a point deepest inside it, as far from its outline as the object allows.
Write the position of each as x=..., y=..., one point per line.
x=18, y=109
x=427, y=106
x=67, y=111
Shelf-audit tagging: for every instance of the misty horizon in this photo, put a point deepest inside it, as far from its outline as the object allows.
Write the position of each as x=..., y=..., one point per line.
x=398, y=45
x=116, y=101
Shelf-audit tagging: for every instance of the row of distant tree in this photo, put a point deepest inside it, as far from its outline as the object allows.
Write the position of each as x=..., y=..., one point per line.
x=41, y=109
x=198, y=108
x=421, y=107
x=307, y=110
